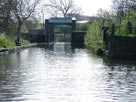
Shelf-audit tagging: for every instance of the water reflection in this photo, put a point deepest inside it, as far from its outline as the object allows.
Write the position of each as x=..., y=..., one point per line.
x=56, y=73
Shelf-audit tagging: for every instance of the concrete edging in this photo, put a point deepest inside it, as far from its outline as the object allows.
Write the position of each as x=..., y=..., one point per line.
x=8, y=50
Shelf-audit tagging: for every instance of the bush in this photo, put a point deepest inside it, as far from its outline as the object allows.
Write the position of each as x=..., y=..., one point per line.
x=83, y=27
x=122, y=30
x=6, y=42
x=24, y=42
x=9, y=42
x=94, y=38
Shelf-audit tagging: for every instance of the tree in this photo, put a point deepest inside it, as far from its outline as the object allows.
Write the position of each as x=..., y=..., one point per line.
x=62, y=8
x=31, y=24
x=23, y=9
x=6, y=7
x=104, y=17
x=120, y=9
x=124, y=9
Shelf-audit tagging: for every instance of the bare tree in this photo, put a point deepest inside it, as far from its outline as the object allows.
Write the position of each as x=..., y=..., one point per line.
x=62, y=8
x=23, y=9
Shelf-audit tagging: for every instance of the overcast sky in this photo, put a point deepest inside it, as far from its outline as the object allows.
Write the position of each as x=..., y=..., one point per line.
x=90, y=7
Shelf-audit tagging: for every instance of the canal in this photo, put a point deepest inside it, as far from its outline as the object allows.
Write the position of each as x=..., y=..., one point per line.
x=59, y=74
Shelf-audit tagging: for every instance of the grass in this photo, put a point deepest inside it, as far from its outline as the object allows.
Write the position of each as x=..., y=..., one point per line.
x=9, y=42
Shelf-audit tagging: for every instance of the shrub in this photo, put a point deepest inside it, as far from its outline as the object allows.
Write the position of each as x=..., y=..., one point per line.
x=9, y=42
x=6, y=42
x=24, y=42
x=83, y=27
x=93, y=38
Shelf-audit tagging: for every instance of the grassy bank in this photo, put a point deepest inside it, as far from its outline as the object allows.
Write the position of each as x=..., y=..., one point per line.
x=9, y=42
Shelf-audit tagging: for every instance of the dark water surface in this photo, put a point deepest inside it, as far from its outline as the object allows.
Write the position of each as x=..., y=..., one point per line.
x=60, y=74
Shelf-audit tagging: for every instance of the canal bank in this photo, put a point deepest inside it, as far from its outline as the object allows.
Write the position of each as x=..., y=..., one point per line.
x=4, y=51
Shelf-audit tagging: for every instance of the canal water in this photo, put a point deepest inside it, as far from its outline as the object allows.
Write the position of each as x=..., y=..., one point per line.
x=59, y=74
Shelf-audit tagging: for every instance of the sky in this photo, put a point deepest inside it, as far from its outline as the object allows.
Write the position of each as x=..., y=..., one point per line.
x=90, y=7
